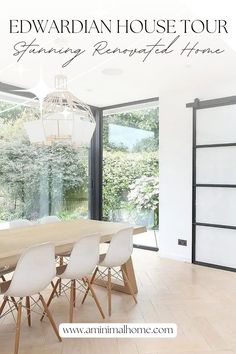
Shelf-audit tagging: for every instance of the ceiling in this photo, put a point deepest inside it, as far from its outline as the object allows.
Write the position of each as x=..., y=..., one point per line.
x=111, y=79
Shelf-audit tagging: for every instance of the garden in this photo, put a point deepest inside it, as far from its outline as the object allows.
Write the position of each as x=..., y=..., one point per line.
x=130, y=167
x=37, y=180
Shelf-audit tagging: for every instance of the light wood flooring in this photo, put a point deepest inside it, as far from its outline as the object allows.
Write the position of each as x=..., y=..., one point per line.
x=201, y=301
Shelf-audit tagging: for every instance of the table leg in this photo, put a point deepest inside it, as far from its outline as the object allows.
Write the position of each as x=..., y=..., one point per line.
x=129, y=271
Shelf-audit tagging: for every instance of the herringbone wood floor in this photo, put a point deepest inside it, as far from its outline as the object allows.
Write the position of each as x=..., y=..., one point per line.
x=201, y=301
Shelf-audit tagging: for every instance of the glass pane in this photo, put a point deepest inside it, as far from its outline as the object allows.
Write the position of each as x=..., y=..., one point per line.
x=216, y=165
x=216, y=125
x=35, y=179
x=216, y=205
x=130, y=170
x=216, y=246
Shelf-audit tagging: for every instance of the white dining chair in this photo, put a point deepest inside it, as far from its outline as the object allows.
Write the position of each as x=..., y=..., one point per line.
x=14, y=224
x=118, y=253
x=49, y=219
x=52, y=219
x=34, y=272
x=82, y=262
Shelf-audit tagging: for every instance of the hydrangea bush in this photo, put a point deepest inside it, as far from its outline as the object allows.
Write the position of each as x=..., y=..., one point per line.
x=144, y=193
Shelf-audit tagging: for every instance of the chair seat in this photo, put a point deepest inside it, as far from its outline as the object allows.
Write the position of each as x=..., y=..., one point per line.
x=61, y=270
x=103, y=263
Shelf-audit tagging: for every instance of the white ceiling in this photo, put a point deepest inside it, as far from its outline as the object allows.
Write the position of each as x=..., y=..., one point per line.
x=135, y=80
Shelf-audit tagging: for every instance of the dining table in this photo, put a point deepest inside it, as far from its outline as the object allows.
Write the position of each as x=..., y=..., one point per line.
x=64, y=234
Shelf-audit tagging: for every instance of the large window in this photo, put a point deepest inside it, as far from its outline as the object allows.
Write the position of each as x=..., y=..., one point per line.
x=130, y=168
x=38, y=180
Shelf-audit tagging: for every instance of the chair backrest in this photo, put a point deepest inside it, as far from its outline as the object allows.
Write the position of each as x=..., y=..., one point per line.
x=84, y=257
x=49, y=219
x=19, y=223
x=120, y=248
x=34, y=271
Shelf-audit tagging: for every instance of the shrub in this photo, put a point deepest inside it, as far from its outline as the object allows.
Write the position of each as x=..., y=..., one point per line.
x=144, y=193
x=121, y=170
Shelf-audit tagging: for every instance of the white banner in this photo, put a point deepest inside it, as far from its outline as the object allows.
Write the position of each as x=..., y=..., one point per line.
x=118, y=330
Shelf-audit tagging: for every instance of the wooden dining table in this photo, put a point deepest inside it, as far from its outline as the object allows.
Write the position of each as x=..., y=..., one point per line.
x=63, y=234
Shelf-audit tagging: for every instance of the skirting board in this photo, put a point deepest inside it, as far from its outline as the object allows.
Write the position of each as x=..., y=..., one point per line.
x=174, y=256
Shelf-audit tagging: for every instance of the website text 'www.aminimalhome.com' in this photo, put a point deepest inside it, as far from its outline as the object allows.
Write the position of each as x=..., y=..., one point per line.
x=118, y=330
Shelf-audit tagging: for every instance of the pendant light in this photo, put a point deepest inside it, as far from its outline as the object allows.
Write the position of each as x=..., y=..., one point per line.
x=65, y=119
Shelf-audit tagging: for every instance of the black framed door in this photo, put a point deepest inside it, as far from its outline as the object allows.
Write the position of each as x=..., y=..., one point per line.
x=214, y=183
x=130, y=136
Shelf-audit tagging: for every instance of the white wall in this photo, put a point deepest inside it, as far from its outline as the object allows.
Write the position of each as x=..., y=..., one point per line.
x=176, y=164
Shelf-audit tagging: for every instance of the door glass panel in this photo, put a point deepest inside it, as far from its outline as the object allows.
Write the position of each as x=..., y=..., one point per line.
x=216, y=246
x=130, y=169
x=216, y=125
x=216, y=165
x=216, y=205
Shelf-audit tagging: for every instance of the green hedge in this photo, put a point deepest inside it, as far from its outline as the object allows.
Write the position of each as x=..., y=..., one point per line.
x=121, y=169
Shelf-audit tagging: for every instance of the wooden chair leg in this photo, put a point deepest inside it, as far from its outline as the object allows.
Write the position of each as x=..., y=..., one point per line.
x=94, y=275
x=71, y=302
x=14, y=302
x=3, y=304
x=50, y=317
x=126, y=280
x=109, y=291
x=18, y=324
x=74, y=292
x=28, y=310
x=60, y=287
x=95, y=298
x=91, y=281
x=5, y=301
x=51, y=297
x=61, y=262
x=52, y=284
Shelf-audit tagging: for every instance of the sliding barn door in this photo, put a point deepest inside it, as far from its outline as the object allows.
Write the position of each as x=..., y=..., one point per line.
x=214, y=183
